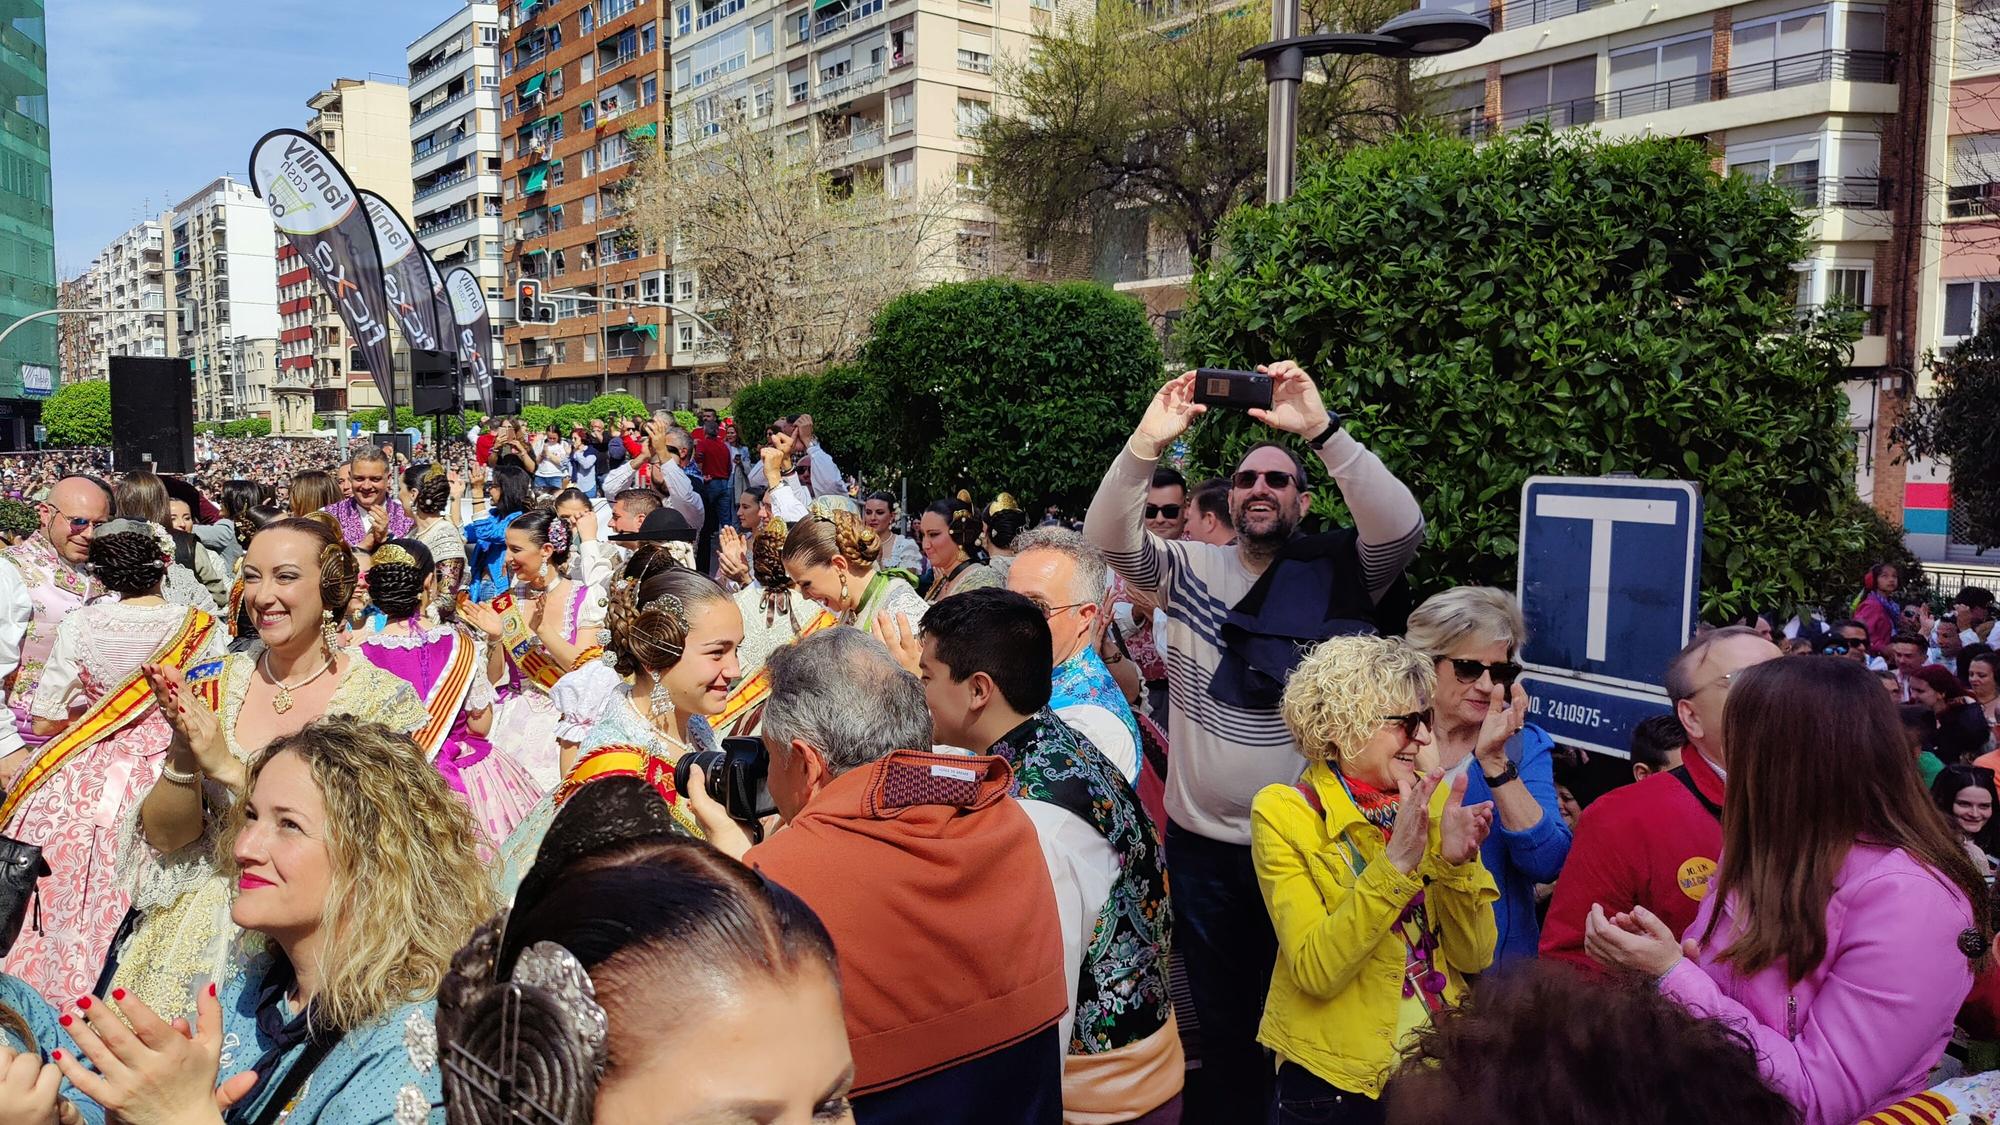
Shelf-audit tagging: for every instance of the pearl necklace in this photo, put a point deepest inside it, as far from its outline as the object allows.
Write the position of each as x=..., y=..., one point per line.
x=282, y=702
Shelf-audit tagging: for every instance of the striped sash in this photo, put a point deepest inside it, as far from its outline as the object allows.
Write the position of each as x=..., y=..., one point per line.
x=527, y=651
x=448, y=695
x=111, y=714
x=621, y=759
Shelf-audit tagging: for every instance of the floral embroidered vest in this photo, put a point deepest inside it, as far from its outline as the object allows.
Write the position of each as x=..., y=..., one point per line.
x=1121, y=994
x=55, y=588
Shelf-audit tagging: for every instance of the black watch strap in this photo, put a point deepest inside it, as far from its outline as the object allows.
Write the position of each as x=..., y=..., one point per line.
x=1511, y=773
x=1326, y=435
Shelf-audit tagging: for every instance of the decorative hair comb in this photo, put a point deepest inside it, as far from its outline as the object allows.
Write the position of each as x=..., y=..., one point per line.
x=671, y=606
x=395, y=555
x=559, y=534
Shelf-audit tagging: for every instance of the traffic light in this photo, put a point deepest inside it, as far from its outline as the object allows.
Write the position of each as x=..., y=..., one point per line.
x=530, y=307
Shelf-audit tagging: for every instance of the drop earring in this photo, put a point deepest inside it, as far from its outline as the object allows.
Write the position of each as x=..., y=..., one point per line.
x=329, y=634
x=843, y=589
x=659, y=702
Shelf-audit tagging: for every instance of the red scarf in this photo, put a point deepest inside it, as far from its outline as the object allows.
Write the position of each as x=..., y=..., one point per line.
x=1377, y=807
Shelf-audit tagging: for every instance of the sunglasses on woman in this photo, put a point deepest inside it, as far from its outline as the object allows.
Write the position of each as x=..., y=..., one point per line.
x=1504, y=672
x=1412, y=721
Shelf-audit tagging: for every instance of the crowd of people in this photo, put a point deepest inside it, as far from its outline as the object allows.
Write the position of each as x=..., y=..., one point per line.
x=638, y=773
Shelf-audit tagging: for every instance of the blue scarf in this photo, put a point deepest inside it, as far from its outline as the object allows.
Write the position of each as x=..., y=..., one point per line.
x=1083, y=679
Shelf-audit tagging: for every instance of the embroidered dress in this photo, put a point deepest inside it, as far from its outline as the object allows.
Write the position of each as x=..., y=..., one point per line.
x=1121, y=994
x=888, y=595
x=495, y=786
x=620, y=726
x=76, y=815
x=184, y=931
x=447, y=546
x=56, y=589
x=385, y=1072
x=525, y=718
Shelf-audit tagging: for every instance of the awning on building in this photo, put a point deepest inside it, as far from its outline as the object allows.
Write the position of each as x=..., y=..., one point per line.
x=820, y=5
x=451, y=249
x=532, y=253
x=533, y=85
x=643, y=132
x=536, y=179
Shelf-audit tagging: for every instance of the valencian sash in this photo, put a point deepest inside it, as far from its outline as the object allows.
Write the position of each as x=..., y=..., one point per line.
x=621, y=759
x=111, y=714
x=448, y=694
x=746, y=700
x=526, y=650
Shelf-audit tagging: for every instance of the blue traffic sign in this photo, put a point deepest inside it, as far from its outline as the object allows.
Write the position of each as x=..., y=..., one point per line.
x=1595, y=717
x=1609, y=576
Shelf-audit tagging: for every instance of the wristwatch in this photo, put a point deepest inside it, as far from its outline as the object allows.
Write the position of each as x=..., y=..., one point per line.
x=1332, y=424
x=1511, y=773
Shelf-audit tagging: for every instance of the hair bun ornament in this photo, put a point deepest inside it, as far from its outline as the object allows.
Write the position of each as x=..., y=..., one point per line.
x=522, y=1044
x=1004, y=502
x=559, y=534
x=395, y=555
x=1972, y=943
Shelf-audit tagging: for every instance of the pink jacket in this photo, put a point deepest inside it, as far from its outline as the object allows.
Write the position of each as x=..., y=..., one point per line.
x=1865, y=1026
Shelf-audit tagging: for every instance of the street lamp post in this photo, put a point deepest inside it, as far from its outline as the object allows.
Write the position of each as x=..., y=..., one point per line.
x=1415, y=34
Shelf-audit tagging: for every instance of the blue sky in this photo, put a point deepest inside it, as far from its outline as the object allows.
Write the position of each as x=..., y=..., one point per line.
x=149, y=99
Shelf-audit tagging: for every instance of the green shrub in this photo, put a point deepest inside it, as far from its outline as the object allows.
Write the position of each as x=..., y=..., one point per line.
x=79, y=414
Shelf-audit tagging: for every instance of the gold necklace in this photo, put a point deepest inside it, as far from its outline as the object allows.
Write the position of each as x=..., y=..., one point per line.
x=282, y=702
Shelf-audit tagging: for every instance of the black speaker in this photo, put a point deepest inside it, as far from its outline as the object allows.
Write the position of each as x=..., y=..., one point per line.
x=433, y=382
x=152, y=413
x=506, y=397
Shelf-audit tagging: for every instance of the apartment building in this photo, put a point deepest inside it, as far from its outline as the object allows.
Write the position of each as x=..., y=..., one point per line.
x=365, y=124
x=1852, y=106
x=222, y=298
x=27, y=222
x=455, y=161
x=129, y=275
x=582, y=90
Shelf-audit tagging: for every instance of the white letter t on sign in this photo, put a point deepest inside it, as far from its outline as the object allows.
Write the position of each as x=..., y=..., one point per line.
x=1602, y=512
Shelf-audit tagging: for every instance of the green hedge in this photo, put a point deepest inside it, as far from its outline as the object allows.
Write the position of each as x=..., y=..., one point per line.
x=79, y=414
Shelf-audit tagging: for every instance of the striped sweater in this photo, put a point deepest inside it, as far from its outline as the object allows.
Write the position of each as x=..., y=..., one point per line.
x=1222, y=755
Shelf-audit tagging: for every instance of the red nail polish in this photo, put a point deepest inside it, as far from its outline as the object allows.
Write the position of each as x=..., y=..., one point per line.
x=57, y=1055
x=211, y=988
x=118, y=994
x=83, y=1002
x=66, y=1020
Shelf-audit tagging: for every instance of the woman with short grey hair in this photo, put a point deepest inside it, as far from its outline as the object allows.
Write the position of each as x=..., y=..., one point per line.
x=1475, y=634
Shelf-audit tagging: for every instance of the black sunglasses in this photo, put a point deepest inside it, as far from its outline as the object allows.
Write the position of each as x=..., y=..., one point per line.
x=1167, y=511
x=1276, y=478
x=1413, y=721
x=1835, y=650
x=1504, y=672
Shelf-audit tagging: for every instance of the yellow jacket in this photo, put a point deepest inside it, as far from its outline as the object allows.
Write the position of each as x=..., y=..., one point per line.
x=1339, y=978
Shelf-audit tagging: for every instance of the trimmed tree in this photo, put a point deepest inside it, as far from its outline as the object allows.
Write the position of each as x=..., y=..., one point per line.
x=1554, y=304
x=759, y=404
x=614, y=406
x=1008, y=386
x=79, y=414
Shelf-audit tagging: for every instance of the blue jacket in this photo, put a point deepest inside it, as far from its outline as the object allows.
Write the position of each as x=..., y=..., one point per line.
x=1519, y=860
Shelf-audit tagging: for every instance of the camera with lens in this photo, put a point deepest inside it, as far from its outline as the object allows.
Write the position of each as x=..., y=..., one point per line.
x=737, y=777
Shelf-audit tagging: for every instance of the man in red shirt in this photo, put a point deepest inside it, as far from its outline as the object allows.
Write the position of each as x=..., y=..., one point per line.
x=1655, y=843
x=711, y=456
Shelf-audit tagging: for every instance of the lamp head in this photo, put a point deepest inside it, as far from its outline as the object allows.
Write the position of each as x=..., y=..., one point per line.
x=1427, y=32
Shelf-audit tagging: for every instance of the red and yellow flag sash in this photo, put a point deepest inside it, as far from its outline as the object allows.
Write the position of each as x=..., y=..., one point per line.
x=748, y=696
x=448, y=694
x=526, y=650
x=110, y=715
x=620, y=759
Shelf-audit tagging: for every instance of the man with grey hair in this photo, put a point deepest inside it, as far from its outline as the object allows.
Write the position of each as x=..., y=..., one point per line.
x=1655, y=844
x=661, y=466
x=929, y=876
x=1067, y=579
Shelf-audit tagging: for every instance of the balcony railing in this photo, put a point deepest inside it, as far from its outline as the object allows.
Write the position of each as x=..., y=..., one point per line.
x=617, y=61
x=1754, y=78
x=1873, y=317
x=1983, y=205
x=859, y=141
x=850, y=83
x=1865, y=192
x=608, y=10
x=1526, y=13
x=1167, y=261
x=853, y=16
x=717, y=14
x=439, y=226
x=437, y=64
x=441, y=106
x=443, y=182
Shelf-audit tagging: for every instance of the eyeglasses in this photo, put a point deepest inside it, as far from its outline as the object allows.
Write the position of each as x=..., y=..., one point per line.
x=1835, y=650
x=1504, y=672
x=1163, y=511
x=1052, y=610
x=1276, y=478
x=1413, y=721
x=77, y=524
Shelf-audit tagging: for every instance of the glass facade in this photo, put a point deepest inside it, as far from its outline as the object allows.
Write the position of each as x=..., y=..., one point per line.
x=27, y=219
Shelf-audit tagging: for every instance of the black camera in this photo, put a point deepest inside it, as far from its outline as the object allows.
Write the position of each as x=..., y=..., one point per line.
x=737, y=777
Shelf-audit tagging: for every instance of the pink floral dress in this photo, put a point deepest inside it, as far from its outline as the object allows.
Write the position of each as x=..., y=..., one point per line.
x=77, y=816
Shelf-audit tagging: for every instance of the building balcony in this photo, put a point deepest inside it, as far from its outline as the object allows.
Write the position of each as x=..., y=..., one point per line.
x=853, y=18
x=1516, y=14
x=709, y=17
x=456, y=56
x=442, y=183
x=854, y=144
x=439, y=226
x=1161, y=264
x=1739, y=81
x=849, y=84
x=1868, y=193
x=435, y=110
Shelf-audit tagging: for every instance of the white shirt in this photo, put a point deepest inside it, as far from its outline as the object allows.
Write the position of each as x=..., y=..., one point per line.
x=826, y=478
x=1082, y=867
x=681, y=496
x=1108, y=733
x=17, y=612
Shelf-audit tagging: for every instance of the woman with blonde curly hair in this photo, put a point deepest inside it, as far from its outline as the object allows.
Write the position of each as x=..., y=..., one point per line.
x=1370, y=871
x=673, y=634
x=834, y=560
x=357, y=877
